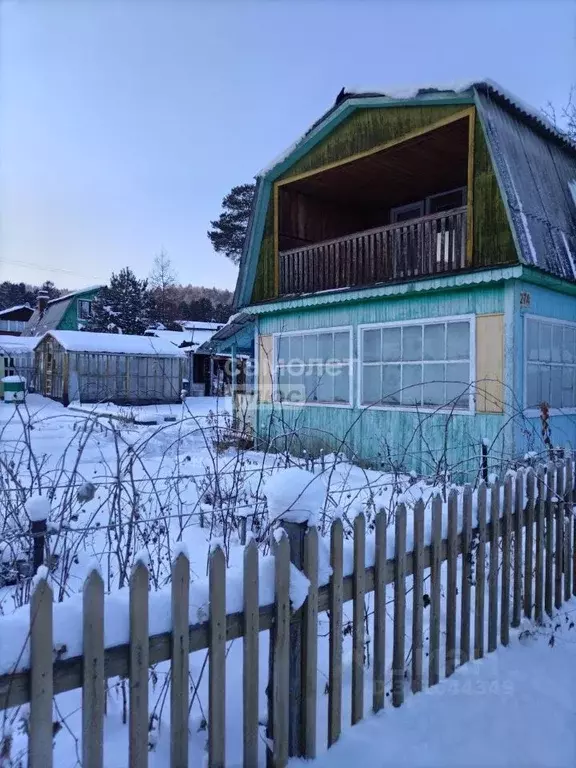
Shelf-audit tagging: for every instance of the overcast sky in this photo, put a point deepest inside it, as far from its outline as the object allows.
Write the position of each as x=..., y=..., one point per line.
x=123, y=123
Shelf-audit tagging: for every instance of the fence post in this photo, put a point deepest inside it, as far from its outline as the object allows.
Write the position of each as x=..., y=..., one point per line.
x=296, y=533
x=38, y=532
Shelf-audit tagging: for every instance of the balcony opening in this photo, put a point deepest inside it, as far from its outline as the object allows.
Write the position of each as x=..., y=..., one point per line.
x=396, y=213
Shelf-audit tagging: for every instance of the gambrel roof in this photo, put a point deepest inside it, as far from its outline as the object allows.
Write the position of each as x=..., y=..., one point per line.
x=534, y=162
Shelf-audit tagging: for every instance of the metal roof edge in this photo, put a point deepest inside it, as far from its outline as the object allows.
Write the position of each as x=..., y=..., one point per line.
x=535, y=276
x=346, y=295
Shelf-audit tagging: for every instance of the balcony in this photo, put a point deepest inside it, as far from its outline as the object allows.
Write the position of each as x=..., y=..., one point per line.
x=421, y=247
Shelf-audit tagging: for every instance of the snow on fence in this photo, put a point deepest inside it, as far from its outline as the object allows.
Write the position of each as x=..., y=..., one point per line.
x=531, y=540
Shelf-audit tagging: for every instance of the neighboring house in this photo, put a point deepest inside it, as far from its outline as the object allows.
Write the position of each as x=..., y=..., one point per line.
x=201, y=368
x=410, y=262
x=66, y=313
x=13, y=319
x=17, y=358
x=108, y=367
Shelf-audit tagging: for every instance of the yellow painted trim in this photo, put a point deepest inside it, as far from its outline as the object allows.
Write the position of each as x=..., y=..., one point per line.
x=276, y=244
x=470, y=194
x=468, y=112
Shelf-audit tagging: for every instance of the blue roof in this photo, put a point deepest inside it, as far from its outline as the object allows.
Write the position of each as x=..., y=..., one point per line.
x=535, y=164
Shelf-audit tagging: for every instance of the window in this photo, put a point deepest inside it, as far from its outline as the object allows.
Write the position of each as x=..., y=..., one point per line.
x=9, y=367
x=84, y=309
x=550, y=350
x=417, y=365
x=12, y=325
x=314, y=367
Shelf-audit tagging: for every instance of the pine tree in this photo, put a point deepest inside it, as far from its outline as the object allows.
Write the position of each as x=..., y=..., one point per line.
x=123, y=306
x=229, y=229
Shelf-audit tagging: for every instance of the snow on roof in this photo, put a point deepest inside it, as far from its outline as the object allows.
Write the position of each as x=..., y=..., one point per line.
x=15, y=309
x=175, y=337
x=115, y=343
x=18, y=345
x=199, y=325
x=76, y=293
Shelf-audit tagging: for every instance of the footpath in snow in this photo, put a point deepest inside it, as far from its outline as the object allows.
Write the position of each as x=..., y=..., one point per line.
x=516, y=707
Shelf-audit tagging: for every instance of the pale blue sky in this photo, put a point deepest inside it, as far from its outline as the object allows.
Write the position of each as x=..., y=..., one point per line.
x=124, y=122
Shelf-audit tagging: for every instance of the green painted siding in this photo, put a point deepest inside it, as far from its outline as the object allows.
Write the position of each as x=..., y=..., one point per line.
x=393, y=437
x=367, y=128
x=69, y=321
x=493, y=241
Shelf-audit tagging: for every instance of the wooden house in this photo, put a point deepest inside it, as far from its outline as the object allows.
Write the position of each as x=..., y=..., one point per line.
x=65, y=313
x=411, y=265
x=108, y=367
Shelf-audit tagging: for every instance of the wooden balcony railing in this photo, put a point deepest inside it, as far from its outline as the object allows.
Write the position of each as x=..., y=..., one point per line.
x=427, y=246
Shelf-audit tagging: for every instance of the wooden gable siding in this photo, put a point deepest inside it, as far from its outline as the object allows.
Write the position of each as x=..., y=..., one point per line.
x=367, y=128
x=70, y=320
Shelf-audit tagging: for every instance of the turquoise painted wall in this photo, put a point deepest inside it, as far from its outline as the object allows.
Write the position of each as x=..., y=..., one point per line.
x=404, y=438
x=69, y=321
x=544, y=302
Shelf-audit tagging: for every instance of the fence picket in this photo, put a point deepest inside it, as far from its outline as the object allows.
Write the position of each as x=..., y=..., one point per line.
x=41, y=677
x=568, y=529
x=435, y=576
x=539, y=569
x=417, y=596
x=335, y=637
x=518, y=528
x=529, y=543
x=479, y=592
x=559, y=538
x=281, y=666
x=466, y=576
x=506, y=539
x=93, y=681
x=493, y=573
x=452, y=558
x=179, y=666
x=399, y=607
x=250, y=672
x=310, y=647
x=139, y=663
x=217, y=660
x=549, y=520
x=379, y=666
x=359, y=589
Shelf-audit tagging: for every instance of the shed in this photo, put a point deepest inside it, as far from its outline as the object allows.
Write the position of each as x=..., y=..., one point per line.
x=17, y=358
x=108, y=367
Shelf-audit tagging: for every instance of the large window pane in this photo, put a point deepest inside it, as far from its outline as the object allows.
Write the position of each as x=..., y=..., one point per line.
x=342, y=345
x=457, y=341
x=311, y=384
x=433, y=390
x=569, y=344
x=411, y=385
x=391, y=344
x=391, y=384
x=371, y=349
x=556, y=343
x=325, y=346
x=283, y=383
x=310, y=347
x=568, y=387
x=295, y=348
x=545, y=342
x=457, y=384
x=412, y=342
x=434, y=342
x=371, y=384
x=544, y=383
x=532, y=386
x=555, y=386
x=341, y=379
x=532, y=331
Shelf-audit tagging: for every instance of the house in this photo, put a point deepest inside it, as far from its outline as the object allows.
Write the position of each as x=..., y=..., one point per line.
x=17, y=359
x=14, y=319
x=411, y=265
x=200, y=366
x=108, y=367
x=66, y=313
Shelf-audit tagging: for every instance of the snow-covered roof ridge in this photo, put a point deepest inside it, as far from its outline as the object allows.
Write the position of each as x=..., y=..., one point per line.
x=72, y=294
x=408, y=93
x=14, y=308
x=115, y=343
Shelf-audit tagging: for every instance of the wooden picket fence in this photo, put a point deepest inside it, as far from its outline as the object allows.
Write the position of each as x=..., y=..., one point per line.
x=532, y=571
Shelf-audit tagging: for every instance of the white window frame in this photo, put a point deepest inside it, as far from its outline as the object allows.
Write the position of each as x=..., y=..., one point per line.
x=312, y=332
x=470, y=411
x=531, y=412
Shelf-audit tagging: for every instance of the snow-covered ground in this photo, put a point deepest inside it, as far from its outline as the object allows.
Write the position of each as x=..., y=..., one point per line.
x=115, y=488
x=514, y=708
